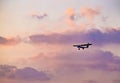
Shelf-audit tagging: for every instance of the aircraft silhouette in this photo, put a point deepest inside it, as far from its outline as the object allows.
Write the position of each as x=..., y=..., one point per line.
x=83, y=46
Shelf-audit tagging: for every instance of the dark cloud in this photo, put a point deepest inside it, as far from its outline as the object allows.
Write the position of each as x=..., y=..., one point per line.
x=9, y=41
x=94, y=36
x=26, y=73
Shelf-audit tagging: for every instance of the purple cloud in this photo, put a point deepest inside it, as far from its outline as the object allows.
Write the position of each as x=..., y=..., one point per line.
x=94, y=60
x=6, y=70
x=80, y=61
x=31, y=74
x=101, y=60
x=94, y=36
x=26, y=73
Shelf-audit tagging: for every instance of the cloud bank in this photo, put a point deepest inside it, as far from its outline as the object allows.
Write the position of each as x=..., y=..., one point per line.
x=94, y=36
x=80, y=61
x=98, y=60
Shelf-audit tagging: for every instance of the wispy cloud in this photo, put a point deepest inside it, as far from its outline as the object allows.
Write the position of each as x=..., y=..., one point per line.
x=89, y=13
x=39, y=16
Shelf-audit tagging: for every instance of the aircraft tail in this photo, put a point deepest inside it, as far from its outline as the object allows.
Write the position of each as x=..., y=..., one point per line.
x=87, y=46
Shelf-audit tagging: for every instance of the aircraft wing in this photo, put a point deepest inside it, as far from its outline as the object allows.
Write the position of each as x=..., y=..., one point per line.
x=83, y=45
x=75, y=45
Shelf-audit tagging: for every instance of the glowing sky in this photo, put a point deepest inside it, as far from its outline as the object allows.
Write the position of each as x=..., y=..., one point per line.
x=36, y=37
x=17, y=15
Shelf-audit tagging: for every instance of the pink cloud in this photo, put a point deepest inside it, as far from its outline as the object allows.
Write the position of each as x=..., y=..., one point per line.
x=70, y=14
x=89, y=13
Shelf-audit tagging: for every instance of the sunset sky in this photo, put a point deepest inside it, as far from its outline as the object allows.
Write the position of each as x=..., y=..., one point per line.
x=37, y=37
